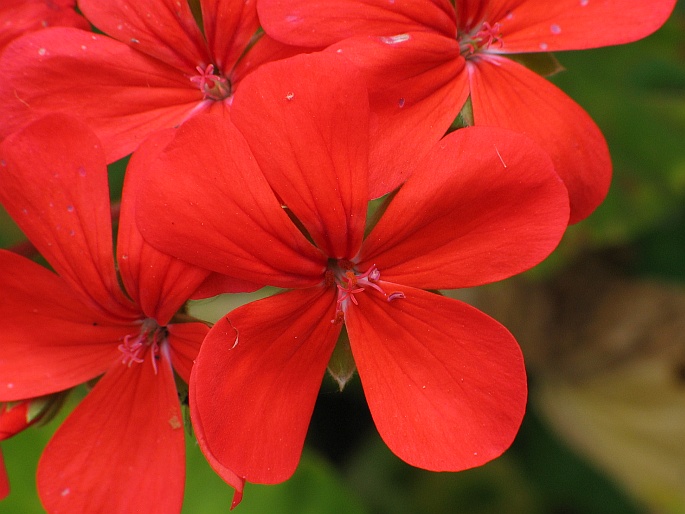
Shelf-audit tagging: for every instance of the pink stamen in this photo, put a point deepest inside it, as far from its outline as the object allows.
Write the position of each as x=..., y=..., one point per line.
x=214, y=87
x=486, y=36
x=134, y=348
x=350, y=284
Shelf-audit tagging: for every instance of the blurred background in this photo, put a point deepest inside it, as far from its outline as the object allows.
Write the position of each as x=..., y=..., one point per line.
x=601, y=324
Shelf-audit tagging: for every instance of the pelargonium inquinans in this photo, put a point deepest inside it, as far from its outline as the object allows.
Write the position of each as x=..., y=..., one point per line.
x=122, y=449
x=423, y=59
x=281, y=198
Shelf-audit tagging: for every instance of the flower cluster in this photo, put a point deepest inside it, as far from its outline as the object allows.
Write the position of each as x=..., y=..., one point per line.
x=361, y=155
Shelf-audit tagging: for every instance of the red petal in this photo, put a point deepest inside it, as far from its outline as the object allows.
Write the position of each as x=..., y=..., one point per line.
x=158, y=283
x=319, y=24
x=216, y=284
x=484, y=205
x=540, y=25
x=122, y=449
x=164, y=29
x=121, y=93
x=18, y=17
x=204, y=200
x=14, y=418
x=253, y=420
x=51, y=341
x=445, y=383
x=417, y=87
x=229, y=25
x=184, y=342
x=54, y=185
x=264, y=50
x=4, y=479
x=306, y=120
x=506, y=94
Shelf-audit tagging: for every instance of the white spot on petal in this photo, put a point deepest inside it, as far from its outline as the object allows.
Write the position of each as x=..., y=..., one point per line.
x=10, y=386
x=124, y=257
x=393, y=40
x=65, y=491
x=83, y=47
x=42, y=51
x=134, y=40
x=290, y=96
x=543, y=46
x=583, y=3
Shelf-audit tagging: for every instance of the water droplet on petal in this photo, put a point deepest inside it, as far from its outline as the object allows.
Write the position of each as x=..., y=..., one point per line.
x=290, y=96
x=555, y=29
x=82, y=171
x=400, y=103
x=10, y=386
x=83, y=47
x=42, y=51
x=543, y=46
x=3, y=163
x=65, y=491
x=70, y=208
x=124, y=257
x=583, y=3
x=393, y=40
x=72, y=233
x=134, y=40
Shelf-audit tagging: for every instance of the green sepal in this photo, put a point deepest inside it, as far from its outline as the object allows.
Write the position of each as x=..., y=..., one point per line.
x=545, y=64
x=341, y=366
x=464, y=118
x=45, y=408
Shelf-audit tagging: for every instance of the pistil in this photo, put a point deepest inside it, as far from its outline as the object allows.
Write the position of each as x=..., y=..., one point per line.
x=214, y=87
x=350, y=283
x=481, y=39
x=135, y=347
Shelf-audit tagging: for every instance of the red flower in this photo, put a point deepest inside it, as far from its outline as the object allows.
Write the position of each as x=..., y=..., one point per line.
x=18, y=17
x=122, y=449
x=445, y=383
x=158, y=68
x=428, y=57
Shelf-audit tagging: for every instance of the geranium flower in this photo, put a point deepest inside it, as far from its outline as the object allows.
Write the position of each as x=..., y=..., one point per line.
x=426, y=58
x=122, y=448
x=154, y=68
x=18, y=17
x=286, y=205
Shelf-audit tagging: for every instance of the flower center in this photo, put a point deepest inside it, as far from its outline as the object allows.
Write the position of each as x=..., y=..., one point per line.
x=480, y=38
x=349, y=282
x=214, y=87
x=135, y=347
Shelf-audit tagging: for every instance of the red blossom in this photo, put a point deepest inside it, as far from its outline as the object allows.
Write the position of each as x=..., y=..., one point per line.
x=122, y=448
x=423, y=59
x=141, y=75
x=445, y=383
